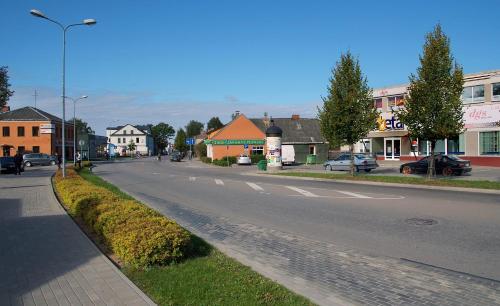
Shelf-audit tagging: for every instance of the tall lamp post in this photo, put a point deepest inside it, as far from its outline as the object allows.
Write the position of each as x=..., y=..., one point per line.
x=89, y=22
x=74, y=125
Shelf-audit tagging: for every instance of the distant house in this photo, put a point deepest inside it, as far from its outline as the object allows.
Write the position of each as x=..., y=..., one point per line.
x=140, y=135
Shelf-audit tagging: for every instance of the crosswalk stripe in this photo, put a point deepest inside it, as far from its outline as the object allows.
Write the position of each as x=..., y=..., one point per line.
x=192, y=178
x=303, y=192
x=352, y=194
x=219, y=182
x=255, y=186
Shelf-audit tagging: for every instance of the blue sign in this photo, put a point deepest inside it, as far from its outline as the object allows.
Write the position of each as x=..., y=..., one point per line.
x=190, y=141
x=245, y=146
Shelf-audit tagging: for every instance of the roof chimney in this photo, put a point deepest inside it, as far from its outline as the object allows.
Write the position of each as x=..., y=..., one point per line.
x=5, y=109
x=295, y=117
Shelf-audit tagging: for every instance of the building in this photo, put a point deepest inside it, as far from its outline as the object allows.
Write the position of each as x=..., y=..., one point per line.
x=91, y=146
x=140, y=135
x=479, y=143
x=31, y=130
x=247, y=136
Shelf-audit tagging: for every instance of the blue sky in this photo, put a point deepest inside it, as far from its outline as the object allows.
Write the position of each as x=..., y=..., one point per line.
x=173, y=61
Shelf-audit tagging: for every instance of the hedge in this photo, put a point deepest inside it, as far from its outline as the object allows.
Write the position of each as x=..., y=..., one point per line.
x=224, y=161
x=206, y=160
x=138, y=235
x=256, y=158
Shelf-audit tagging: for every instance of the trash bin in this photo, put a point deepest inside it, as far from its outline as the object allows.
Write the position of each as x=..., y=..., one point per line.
x=262, y=165
x=311, y=159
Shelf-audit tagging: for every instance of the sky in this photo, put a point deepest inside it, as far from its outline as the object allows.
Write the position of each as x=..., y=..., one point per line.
x=174, y=61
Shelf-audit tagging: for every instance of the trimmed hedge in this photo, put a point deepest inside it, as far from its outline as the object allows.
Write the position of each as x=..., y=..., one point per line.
x=138, y=235
x=257, y=158
x=206, y=160
x=223, y=162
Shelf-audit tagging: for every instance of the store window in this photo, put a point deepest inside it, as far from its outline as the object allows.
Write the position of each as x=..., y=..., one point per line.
x=473, y=94
x=6, y=131
x=377, y=103
x=489, y=143
x=496, y=92
x=456, y=146
x=259, y=150
x=36, y=149
x=35, y=131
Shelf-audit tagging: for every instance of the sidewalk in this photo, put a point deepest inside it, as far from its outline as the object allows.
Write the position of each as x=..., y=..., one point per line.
x=45, y=259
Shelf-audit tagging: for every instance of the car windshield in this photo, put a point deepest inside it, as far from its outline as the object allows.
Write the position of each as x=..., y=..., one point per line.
x=362, y=156
x=454, y=157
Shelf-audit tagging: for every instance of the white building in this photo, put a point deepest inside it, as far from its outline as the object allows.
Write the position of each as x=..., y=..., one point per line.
x=140, y=135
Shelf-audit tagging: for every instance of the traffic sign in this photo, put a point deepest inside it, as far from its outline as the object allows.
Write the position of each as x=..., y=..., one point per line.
x=190, y=141
x=245, y=146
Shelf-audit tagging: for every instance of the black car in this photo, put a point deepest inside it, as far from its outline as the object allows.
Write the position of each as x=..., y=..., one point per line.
x=33, y=159
x=176, y=156
x=7, y=164
x=445, y=164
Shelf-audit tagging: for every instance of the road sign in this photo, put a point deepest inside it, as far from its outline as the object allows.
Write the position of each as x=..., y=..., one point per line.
x=245, y=146
x=190, y=141
x=81, y=142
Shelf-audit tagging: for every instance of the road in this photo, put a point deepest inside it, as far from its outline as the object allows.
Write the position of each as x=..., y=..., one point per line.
x=316, y=222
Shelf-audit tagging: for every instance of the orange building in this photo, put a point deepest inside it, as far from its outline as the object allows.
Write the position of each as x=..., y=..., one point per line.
x=237, y=137
x=31, y=130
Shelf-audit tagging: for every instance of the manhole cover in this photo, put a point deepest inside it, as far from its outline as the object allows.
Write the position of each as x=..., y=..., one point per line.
x=421, y=221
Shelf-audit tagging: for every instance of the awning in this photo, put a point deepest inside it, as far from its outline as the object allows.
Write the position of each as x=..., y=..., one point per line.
x=397, y=133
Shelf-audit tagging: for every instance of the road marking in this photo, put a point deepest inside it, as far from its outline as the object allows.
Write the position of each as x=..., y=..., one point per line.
x=303, y=192
x=192, y=178
x=219, y=182
x=156, y=173
x=255, y=186
x=352, y=194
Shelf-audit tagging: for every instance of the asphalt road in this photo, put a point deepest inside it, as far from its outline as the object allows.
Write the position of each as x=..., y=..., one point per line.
x=452, y=230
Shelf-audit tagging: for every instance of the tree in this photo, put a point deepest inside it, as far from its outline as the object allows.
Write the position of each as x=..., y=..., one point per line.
x=214, y=123
x=131, y=146
x=433, y=108
x=193, y=128
x=161, y=133
x=82, y=126
x=180, y=141
x=5, y=92
x=347, y=114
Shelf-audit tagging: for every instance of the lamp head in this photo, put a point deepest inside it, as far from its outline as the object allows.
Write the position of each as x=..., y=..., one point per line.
x=37, y=13
x=84, y=97
x=89, y=21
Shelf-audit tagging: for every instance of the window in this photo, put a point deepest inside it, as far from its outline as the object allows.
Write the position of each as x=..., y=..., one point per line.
x=21, y=149
x=35, y=131
x=119, y=140
x=396, y=101
x=473, y=94
x=137, y=140
x=124, y=140
x=132, y=132
x=6, y=131
x=489, y=143
x=377, y=103
x=36, y=149
x=259, y=150
x=20, y=131
x=496, y=92
x=456, y=146
x=124, y=132
x=312, y=150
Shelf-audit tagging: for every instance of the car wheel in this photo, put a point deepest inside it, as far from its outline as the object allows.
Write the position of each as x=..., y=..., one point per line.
x=368, y=170
x=407, y=170
x=28, y=164
x=52, y=163
x=329, y=167
x=447, y=171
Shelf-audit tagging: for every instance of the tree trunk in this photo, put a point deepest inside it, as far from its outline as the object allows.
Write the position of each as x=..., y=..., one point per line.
x=431, y=169
x=351, y=150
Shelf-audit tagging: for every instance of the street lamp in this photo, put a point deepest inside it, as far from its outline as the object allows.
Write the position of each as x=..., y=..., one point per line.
x=89, y=22
x=74, y=125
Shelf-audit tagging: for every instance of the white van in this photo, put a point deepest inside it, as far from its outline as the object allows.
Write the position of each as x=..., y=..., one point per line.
x=287, y=154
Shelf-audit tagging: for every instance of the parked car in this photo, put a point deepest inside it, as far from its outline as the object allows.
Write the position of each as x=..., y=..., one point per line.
x=176, y=156
x=7, y=164
x=34, y=159
x=244, y=159
x=445, y=164
x=343, y=162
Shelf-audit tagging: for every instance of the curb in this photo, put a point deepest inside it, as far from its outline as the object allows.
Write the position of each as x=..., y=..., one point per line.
x=424, y=187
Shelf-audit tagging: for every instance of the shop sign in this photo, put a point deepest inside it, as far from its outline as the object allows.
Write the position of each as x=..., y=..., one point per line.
x=482, y=116
x=47, y=128
x=389, y=124
x=235, y=142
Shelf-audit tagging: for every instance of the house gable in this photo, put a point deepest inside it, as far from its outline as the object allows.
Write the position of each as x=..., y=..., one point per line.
x=126, y=131
x=240, y=128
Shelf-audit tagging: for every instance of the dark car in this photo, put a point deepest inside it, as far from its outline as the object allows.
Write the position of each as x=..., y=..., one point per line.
x=176, y=156
x=445, y=164
x=7, y=164
x=34, y=159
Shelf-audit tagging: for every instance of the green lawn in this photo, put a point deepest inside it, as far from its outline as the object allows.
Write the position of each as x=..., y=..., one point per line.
x=398, y=179
x=207, y=277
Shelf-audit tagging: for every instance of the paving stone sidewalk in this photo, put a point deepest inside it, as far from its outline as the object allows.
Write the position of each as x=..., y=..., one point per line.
x=45, y=259
x=329, y=274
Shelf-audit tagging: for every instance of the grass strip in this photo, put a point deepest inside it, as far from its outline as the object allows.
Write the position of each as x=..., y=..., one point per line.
x=207, y=277
x=398, y=179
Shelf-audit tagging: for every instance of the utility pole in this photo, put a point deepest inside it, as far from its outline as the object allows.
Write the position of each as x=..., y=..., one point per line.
x=35, y=95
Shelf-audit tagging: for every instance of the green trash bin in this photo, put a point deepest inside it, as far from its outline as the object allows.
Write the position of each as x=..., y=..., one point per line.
x=262, y=165
x=311, y=159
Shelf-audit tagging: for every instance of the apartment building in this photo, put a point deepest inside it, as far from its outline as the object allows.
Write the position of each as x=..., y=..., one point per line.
x=120, y=136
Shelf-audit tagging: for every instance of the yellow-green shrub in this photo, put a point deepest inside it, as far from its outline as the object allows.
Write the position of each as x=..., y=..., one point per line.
x=137, y=234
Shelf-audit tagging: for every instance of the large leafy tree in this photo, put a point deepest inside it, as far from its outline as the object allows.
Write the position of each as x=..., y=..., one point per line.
x=214, y=123
x=180, y=141
x=5, y=92
x=193, y=128
x=433, y=108
x=347, y=114
x=162, y=132
x=82, y=126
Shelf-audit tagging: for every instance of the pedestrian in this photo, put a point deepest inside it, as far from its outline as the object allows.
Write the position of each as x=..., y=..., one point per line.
x=79, y=160
x=18, y=162
x=159, y=156
x=59, y=161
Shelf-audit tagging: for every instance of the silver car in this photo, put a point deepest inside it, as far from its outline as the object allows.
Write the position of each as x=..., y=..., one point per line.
x=343, y=162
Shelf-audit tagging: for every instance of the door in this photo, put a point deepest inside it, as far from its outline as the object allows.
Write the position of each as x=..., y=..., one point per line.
x=392, y=148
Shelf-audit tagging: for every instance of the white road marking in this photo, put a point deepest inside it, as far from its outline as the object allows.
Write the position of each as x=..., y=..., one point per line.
x=156, y=173
x=303, y=192
x=192, y=178
x=255, y=186
x=219, y=182
x=355, y=195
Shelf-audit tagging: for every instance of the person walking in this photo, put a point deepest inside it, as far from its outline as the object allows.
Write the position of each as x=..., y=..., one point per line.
x=79, y=160
x=18, y=162
x=59, y=160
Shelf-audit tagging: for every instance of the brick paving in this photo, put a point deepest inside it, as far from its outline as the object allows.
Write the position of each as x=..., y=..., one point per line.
x=45, y=259
x=329, y=274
